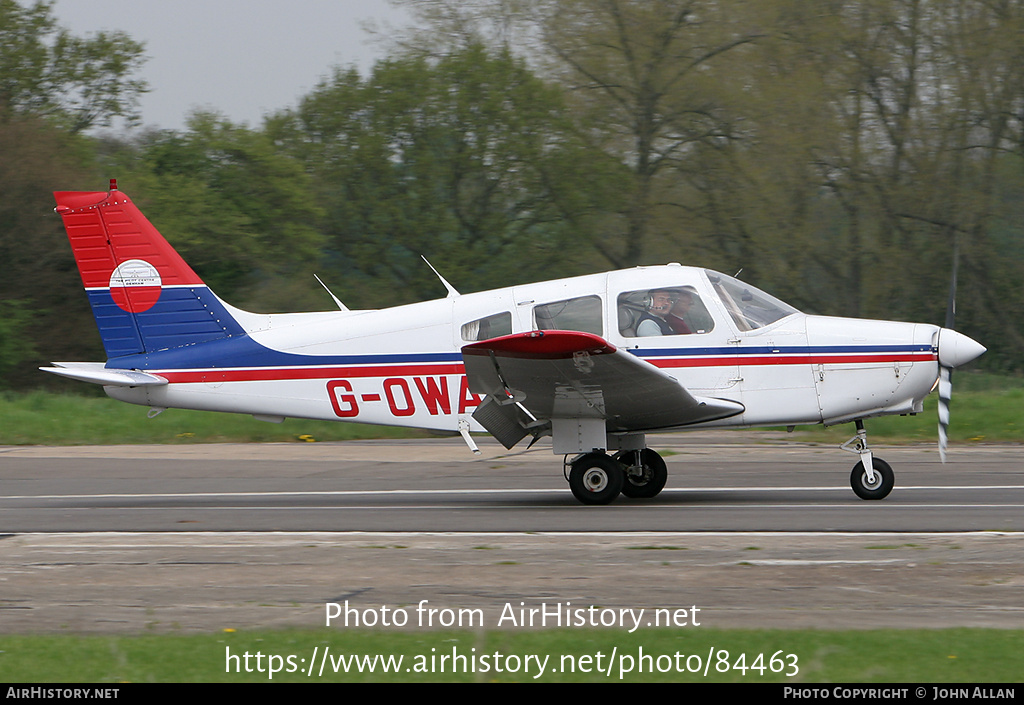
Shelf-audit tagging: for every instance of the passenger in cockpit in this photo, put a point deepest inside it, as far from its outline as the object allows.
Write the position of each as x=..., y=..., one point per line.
x=680, y=308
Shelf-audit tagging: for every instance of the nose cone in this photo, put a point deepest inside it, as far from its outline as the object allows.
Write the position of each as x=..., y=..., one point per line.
x=957, y=349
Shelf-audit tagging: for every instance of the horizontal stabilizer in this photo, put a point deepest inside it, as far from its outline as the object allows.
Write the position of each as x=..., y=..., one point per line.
x=97, y=373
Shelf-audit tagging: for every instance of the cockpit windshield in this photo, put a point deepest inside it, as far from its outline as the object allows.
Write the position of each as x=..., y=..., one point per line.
x=749, y=307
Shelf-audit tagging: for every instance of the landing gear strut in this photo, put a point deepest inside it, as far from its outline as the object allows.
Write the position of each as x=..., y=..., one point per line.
x=872, y=478
x=596, y=478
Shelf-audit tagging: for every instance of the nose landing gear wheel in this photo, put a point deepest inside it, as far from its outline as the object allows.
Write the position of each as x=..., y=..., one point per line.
x=652, y=477
x=880, y=488
x=596, y=479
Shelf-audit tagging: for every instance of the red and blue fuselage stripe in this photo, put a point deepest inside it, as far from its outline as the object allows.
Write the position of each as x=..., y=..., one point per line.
x=240, y=358
x=792, y=355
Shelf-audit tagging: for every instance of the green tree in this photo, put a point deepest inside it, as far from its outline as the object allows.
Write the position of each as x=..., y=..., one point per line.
x=15, y=346
x=48, y=72
x=645, y=89
x=840, y=152
x=645, y=79
x=239, y=211
x=909, y=112
x=42, y=304
x=466, y=159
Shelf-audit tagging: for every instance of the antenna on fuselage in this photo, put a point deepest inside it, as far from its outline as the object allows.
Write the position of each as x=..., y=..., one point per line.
x=451, y=289
x=342, y=306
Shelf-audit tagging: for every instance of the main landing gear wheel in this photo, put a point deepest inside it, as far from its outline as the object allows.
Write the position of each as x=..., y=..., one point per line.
x=596, y=479
x=652, y=475
x=880, y=488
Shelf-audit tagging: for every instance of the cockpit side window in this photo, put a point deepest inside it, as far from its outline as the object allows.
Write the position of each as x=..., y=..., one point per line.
x=749, y=307
x=672, y=310
x=489, y=327
x=580, y=314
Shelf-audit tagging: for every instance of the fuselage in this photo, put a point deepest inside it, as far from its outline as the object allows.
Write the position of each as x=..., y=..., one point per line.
x=402, y=366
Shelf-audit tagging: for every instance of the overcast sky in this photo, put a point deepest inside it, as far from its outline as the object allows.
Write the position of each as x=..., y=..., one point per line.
x=243, y=58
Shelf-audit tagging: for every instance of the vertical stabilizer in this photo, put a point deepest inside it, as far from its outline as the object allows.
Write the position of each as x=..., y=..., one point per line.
x=143, y=295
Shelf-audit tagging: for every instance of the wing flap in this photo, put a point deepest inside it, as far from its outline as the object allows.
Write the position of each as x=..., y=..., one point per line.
x=569, y=374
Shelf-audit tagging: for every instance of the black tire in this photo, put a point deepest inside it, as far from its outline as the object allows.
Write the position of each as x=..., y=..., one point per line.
x=653, y=479
x=596, y=479
x=884, y=480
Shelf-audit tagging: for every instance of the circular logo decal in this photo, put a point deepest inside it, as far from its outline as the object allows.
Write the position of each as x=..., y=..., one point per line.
x=135, y=285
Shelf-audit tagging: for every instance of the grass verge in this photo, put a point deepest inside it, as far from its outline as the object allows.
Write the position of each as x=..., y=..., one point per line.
x=986, y=408
x=46, y=418
x=676, y=655
x=980, y=412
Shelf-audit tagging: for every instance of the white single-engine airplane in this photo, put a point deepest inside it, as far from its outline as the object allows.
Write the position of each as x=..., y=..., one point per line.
x=595, y=361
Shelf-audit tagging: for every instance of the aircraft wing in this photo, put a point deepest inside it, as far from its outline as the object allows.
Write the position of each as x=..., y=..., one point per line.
x=530, y=378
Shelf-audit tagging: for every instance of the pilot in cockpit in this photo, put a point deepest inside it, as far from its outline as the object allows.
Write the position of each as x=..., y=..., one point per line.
x=659, y=304
x=671, y=310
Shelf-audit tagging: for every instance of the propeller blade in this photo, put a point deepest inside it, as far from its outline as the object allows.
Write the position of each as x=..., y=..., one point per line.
x=946, y=370
x=951, y=301
x=955, y=349
x=945, y=394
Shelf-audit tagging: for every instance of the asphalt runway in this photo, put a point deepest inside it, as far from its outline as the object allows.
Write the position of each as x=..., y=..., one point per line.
x=752, y=530
x=717, y=482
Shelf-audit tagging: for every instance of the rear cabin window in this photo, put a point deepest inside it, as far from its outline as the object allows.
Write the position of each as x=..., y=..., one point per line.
x=486, y=328
x=668, y=311
x=581, y=314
